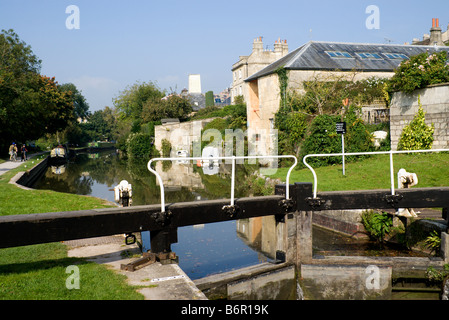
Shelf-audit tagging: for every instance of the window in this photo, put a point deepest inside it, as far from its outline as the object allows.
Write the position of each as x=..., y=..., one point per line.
x=338, y=54
x=240, y=74
x=395, y=56
x=366, y=55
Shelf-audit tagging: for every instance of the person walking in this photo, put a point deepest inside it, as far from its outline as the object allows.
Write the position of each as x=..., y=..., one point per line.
x=13, y=152
x=24, y=151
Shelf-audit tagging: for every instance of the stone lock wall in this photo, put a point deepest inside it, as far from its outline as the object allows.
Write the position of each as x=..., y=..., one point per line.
x=435, y=102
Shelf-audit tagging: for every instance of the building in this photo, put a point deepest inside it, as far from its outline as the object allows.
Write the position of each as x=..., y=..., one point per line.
x=318, y=60
x=256, y=61
x=194, y=83
x=223, y=98
x=436, y=36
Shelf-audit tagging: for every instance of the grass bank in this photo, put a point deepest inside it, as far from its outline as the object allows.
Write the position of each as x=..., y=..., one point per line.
x=373, y=173
x=14, y=200
x=38, y=272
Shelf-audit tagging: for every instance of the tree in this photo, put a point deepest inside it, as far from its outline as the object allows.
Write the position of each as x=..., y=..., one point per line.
x=102, y=125
x=172, y=107
x=210, y=99
x=129, y=104
x=81, y=107
x=31, y=105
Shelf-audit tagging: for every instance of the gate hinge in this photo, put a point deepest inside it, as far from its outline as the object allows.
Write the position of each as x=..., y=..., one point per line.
x=315, y=202
x=287, y=205
x=231, y=210
x=393, y=199
x=162, y=218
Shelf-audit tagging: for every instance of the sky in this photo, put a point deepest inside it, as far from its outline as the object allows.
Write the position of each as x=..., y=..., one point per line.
x=119, y=43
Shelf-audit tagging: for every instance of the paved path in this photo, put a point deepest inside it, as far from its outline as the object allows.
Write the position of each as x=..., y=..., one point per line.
x=8, y=165
x=158, y=282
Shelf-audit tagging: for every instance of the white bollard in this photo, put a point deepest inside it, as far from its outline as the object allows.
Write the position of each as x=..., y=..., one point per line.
x=405, y=181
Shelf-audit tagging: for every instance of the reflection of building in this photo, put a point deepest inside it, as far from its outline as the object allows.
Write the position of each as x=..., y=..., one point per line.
x=259, y=233
x=179, y=175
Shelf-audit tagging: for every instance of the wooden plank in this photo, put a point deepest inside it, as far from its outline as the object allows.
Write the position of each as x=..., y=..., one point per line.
x=376, y=199
x=20, y=230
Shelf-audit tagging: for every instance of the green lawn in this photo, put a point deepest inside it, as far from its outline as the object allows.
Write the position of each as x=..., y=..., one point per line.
x=372, y=173
x=14, y=200
x=39, y=271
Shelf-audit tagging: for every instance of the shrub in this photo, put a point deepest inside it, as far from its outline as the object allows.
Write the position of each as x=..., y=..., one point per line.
x=417, y=135
x=377, y=224
x=420, y=71
x=322, y=138
x=139, y=145
x=166, y=148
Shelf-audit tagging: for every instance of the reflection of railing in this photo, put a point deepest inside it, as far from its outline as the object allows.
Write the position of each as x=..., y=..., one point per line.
x=315, y=180
x=232, y=158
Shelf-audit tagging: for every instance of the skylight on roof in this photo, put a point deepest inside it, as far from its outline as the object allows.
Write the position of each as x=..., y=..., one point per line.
x=366, y=55
x=338, y=54
x=395, y=56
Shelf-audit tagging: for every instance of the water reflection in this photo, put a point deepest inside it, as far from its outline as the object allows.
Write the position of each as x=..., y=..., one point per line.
x=202, y=250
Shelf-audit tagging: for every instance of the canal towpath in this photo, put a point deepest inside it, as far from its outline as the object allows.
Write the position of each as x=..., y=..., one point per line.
x=9, y=165
x=158, y=282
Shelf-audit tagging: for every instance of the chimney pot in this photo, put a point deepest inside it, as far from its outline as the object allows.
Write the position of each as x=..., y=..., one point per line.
x=433, y=23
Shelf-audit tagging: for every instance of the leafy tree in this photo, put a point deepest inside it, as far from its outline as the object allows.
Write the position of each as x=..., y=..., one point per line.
x=31, y=105
x=81, y=107
x=101, y=125
x=172, y=107
x=210, y=99
x=130, y=102
x=417, y=135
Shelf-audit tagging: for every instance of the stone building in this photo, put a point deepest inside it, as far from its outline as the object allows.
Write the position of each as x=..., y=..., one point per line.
x=321, y=61
x=256, y=61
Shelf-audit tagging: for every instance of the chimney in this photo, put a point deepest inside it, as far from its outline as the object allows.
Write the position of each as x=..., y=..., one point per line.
x=436, y=37
x=258, y=45
x=278, y=46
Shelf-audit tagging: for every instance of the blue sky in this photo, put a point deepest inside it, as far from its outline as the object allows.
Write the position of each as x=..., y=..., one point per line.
x=122, y=42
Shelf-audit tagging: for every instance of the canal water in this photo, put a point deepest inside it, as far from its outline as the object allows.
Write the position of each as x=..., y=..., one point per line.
x=202, y=249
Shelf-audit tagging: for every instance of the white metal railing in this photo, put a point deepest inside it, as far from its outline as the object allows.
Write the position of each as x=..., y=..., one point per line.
x=232, y=158
x=315, y=180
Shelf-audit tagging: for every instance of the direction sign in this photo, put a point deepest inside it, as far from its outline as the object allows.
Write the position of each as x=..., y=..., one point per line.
x=341, y=127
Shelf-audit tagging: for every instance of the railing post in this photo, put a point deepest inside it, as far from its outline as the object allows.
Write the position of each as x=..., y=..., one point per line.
x=285, y=228
x=302, y=191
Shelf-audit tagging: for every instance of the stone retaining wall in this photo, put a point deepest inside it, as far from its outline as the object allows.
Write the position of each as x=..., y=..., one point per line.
x=435, y=102
x=28, y=178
